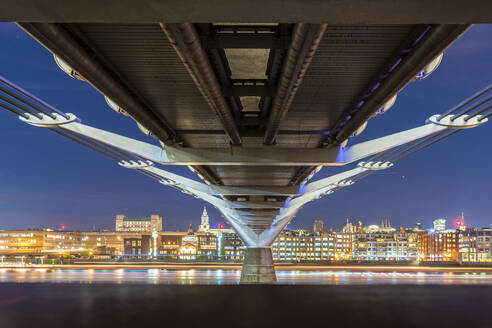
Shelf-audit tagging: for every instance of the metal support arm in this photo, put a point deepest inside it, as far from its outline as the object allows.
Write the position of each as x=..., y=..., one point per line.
x=255, y=156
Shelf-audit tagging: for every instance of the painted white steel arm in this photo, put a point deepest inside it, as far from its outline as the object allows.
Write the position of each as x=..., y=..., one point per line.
x=371, y=147
x=313, y=191
x=305, y=156
x=268, y=236
x=286, y=214
x=254, y=156
x=181, y=182
x=140, y=148
x=249, y=156
x=319, y=184
x=172, y=178
x=247, y=235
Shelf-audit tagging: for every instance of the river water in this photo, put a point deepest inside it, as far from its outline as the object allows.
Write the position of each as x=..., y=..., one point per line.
x=231, y=277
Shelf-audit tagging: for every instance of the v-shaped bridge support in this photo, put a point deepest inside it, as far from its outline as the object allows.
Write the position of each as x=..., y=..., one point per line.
x=258, y=213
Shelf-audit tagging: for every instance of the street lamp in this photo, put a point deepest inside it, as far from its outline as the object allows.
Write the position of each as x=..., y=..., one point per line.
x=154, y=236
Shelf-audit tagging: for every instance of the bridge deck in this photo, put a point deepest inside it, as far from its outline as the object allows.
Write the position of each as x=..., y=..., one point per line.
x=210, y=85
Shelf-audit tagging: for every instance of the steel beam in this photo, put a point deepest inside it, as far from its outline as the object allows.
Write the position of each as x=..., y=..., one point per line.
x=248, y=90
x=187, y=44
x=59, y=41
x=302, y=156
x=240, y=155
x=401, y=72
x=359, y=12
x=176, y=180
x=254, y=205
x=305, y=41
x=248, y=41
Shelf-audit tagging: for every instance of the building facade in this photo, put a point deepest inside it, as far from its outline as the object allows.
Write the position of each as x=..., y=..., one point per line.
x=319, y=226
x=440, y=246
x=204, y=224
x=138, y=224
x=355, y=242
x=229, y=245
x=475, y=245
x=439, y=224
x=386, y=246
x=303, y=245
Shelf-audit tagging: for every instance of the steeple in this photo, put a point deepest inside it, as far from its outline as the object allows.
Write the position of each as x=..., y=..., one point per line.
x=462, y=225
x=204, y=225
x=190, y=229
x=348, y=227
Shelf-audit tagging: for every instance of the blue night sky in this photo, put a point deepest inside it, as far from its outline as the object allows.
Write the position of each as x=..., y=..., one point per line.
x=47, y=180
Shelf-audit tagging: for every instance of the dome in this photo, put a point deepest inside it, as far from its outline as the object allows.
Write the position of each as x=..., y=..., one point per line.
x=372, y=228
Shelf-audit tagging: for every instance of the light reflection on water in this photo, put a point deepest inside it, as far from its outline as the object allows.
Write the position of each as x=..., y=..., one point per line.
x=228, y=277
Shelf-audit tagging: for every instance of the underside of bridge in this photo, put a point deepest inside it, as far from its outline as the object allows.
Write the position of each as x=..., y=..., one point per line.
x=254, y=109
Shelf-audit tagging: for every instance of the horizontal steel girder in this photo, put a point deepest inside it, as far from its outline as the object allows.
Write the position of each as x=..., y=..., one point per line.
x=268, y=155
x=359, y=12
x=249, y=90
x=256, y=205
x=248, y=41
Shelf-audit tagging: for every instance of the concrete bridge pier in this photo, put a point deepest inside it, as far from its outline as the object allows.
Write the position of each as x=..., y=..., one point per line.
x=258, y=266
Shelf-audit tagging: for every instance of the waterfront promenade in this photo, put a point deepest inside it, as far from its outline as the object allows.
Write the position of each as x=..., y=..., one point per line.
x=237, y=266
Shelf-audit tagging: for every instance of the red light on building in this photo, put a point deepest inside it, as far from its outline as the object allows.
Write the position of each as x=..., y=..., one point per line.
x=458, y=223
x=63, y=227
x=221, y=226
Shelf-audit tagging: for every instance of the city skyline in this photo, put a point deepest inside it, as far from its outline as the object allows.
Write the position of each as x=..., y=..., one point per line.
x=220, y=223
x=85, y=189
x=145, y=238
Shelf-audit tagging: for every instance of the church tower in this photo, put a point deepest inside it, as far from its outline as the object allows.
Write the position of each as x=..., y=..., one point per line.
x=204, y=225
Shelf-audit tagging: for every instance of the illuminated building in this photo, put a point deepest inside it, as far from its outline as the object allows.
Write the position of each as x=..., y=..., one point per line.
x=460, y=222
x=230, y=246
x=354, y=242
x=170, y=242
x=302, y=245
x=138, y=247
x=21, y=241
x=350, y=228
x=39, y=241
x=343, y=245
x=205, y=224
x=319, y=226
x=411, y=238
x=138, y=224
x=187, y=245
x=475, y=245
x=418, y=227
x=439, y=225
x=386, y=226
x=387, y=246
x=438, y=245
x=63, y=242
x=107, y=242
